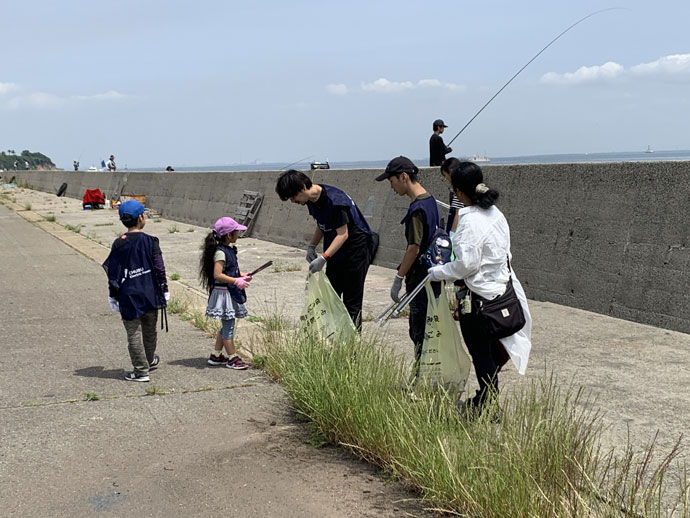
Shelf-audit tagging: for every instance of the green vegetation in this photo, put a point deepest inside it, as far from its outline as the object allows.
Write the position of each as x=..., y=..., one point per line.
x=280, y=266
x=172, y=229
x=35, y=160
x=73, y=228
x=104, y=224
x=155, y=391
x=183, y=307
x=27, y=206
x=175, y=277
x=91, y=396
x=540, y=454
x=50, y=217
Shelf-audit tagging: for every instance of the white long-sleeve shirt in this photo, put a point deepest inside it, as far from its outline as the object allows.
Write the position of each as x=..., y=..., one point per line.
x=481, y=245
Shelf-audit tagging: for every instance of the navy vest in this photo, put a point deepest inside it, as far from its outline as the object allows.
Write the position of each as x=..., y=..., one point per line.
x=130, y=272
x=432, y=218
x=232, y=269
x=324, y=216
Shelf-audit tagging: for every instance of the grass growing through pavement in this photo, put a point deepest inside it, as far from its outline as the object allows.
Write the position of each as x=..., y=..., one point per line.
x=280, y=266
x=175, y=277
x=544, y=457
x=183, y=307
x=50, y=217
x=91, y=396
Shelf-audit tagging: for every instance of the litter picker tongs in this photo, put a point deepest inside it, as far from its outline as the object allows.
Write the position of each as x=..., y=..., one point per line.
x=396, y=308
x=262, y=267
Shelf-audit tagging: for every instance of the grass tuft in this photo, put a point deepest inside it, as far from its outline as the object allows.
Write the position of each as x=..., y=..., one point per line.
x=282, y=266
x=91, y=396
x=175, y=277
x=542, y=458
x=50, y=217
x=27, y=206
x=73, y=228
x=172, y=229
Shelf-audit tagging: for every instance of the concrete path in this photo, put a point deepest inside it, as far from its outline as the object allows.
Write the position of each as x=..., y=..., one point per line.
x=219, y=443
x=69, y=343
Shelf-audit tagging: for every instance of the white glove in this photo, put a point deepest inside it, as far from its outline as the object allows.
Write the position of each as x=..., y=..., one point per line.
x=317, y=264
x=435, y=272
x=311, y=253
x=114, y=305
x=167, y=296
x=395, y=289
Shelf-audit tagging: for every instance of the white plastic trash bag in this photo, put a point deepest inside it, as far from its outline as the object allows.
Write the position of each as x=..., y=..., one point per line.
x=444, y=360
x=324, y=314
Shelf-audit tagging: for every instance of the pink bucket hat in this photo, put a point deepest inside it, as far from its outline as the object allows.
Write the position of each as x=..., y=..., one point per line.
x=226, y=225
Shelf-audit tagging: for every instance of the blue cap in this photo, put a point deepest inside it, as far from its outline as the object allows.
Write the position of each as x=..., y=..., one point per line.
x=131, y=210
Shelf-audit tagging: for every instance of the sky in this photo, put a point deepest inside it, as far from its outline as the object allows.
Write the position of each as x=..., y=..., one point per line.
x=207, y=82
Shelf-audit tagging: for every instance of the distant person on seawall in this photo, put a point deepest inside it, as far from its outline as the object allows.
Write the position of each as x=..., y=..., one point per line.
x=76, y=165
x=169, y=169
x=437, y=148
x=110, y=164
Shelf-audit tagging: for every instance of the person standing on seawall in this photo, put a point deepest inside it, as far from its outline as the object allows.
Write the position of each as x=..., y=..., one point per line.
x=437, y=148
x=110, y=164
x=421, y=222
x=481, y=245
x=349, y=244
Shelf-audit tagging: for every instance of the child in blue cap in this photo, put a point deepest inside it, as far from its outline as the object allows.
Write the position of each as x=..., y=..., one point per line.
x=138, y=288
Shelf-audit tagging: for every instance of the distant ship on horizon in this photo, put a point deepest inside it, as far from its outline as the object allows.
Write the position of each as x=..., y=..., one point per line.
x=649, y=149
x=478, y=158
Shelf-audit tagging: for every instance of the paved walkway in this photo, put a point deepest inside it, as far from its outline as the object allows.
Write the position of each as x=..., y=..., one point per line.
x=188, y=453
x=220, y=443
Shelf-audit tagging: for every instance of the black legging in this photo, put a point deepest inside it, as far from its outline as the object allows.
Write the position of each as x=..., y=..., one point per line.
x=488, y=355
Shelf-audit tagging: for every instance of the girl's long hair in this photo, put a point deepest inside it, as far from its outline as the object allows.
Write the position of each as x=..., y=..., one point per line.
x=208, y=250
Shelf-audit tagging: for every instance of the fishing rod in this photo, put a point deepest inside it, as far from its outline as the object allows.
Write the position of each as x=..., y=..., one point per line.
x=530, y=61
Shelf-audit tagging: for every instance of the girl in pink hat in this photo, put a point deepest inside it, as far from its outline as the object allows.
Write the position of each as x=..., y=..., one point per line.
x=220, y=274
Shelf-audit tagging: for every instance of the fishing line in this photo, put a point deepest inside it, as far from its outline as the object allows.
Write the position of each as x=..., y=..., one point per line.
x=530, y=61
x=300, y=160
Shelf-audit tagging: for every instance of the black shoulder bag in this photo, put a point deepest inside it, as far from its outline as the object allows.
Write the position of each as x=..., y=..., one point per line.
x=503, y=315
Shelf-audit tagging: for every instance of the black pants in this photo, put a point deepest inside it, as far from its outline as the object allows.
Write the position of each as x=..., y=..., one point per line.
x=347, y=278
x=417, y=319
x=488, y=355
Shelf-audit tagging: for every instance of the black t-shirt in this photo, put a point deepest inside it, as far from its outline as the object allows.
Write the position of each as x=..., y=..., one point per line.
x=437, y=150
x=357, y=242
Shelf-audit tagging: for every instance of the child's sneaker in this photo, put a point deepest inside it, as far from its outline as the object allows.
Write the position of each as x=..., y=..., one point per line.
x=237, y=363
x=154, y=364
x=136, y=376
x=219, y=359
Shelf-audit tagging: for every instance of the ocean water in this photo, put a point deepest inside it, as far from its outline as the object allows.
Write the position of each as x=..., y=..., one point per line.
x=630, y=156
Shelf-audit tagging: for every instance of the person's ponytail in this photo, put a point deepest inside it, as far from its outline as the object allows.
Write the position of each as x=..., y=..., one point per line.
x=208, y=250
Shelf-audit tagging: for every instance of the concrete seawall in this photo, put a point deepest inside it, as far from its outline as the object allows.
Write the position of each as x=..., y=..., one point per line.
x=610, y=238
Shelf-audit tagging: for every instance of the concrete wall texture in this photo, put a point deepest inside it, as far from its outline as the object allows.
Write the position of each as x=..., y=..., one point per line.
x=608, y=237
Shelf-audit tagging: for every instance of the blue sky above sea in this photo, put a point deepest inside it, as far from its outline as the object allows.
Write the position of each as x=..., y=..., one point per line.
x=198, y=84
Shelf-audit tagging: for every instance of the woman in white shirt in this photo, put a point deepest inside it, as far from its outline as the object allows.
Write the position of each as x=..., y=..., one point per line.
x=481, y=245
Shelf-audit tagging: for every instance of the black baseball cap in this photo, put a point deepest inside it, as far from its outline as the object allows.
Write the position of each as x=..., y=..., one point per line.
x=439, y=122
x=398, y=165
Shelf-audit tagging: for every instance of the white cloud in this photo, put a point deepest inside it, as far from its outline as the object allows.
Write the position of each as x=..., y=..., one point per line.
x=110, y=95
x=607, y=71
x=666, y=66
x=337, y=89
x=48, y=101
x=383, y=85
x=40, y=100
x=7, y=88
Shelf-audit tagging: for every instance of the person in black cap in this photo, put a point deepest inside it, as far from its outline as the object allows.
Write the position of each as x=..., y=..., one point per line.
x=349, y=244
x=437, y=149
x=137, y=288
x=421, y=221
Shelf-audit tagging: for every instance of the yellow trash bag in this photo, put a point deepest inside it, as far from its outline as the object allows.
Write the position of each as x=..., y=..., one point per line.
x=444, y=361
x=324, y=314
